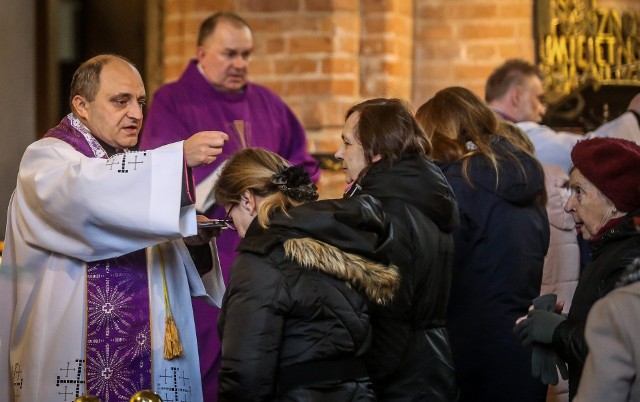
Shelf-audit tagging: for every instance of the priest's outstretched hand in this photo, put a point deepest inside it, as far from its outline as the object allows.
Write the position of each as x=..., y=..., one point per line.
x=204, y=147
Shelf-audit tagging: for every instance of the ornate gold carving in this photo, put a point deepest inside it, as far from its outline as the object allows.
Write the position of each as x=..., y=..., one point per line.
x=579, y=42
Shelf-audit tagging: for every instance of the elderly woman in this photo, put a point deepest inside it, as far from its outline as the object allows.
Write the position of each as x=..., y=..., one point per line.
x=604, y=201
x=384, y=155
x=294, y=322
x=499, y=246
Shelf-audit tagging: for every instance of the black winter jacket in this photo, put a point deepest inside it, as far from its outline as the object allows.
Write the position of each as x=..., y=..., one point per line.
x=611, y=253
x=410, y=359
x=294, y=322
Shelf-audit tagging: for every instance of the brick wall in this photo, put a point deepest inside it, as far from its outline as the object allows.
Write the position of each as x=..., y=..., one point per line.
x=461, y=42
x=322, y=56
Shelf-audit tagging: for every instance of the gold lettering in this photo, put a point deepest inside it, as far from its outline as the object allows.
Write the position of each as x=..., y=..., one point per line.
x=585, y=42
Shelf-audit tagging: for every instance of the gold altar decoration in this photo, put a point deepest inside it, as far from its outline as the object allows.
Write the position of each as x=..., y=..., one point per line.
x=87, y=398
x=145, y=396
x=579, y=43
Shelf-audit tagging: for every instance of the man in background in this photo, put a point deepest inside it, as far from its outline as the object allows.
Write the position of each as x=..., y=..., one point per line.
x=514, y=91
x=214, y=93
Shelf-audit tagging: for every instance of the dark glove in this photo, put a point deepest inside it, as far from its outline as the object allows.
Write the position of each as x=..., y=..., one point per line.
x=545, y=302
x=544, y=361
x=538, y=327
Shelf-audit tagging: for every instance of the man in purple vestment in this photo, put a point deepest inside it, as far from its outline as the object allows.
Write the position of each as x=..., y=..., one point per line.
x=214, y=93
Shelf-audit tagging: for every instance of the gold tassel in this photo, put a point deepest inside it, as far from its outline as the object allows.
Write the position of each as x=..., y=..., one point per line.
x=172, y=345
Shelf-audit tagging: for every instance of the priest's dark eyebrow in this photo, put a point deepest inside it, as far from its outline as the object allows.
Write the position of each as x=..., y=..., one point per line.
x=121, y=99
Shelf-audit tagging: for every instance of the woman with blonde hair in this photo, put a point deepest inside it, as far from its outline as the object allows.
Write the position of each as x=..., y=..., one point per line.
x=499, y=246
x=294, y=322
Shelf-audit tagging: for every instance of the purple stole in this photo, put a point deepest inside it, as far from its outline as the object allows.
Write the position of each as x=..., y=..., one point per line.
x=118, y=338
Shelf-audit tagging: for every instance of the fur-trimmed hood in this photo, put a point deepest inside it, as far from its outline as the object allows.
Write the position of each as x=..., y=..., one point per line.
x=348, y=239
x=378, y=281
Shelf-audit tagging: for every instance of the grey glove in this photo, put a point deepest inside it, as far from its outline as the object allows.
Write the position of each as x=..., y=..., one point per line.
x=544, y=361
x=538, y=327
x=545, y=302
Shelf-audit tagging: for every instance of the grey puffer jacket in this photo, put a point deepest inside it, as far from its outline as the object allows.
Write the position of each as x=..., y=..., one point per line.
x=295, y=322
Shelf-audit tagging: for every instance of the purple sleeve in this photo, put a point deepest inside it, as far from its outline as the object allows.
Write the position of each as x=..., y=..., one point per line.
x=162, y=125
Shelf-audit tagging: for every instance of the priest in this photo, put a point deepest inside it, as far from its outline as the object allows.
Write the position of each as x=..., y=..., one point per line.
x=102, y=253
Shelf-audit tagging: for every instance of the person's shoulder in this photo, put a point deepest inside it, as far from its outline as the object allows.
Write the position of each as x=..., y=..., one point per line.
x=170, y=89
x=254, y=89
x=626, y=292
x=50, y=143
x=533, y=128
x=252, y=268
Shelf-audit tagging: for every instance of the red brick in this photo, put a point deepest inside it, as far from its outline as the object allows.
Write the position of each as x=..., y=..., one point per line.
x=173, y=71
x=308, y=86
x=436, y=71
x=483, y=31
x=266, y=5
x=331, y=5
x=438, y=50
x=173, y=27
x=371, y=6
x=295, y=66
x=174, y=8
x=309, y=114
x=378, y=24
x=342, y=87
x=473, y=11
x=332, y=184
x=274, y=45
x=516, y=10
x=328, y=143
x=310, y=44
x=431, y=12
x=438, y=30
x=261, y=66
x=276, y=86
x=347, y=44
x=482, y=52
x=340, y=65
x=342, y=22
x=472, y=71
x=524, y=49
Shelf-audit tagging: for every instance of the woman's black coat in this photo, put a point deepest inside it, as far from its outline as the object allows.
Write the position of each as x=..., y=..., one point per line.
x=410, y=359
x=297, y=302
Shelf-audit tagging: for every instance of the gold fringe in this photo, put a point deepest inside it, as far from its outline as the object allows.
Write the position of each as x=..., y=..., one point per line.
x=172, y=346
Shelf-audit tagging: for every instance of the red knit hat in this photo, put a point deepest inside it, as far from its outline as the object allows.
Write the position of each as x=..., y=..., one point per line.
x=612, y=165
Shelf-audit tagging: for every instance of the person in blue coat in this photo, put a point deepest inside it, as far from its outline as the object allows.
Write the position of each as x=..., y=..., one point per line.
x=499, y=246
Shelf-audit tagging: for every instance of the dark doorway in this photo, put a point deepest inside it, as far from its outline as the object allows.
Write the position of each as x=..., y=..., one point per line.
x=72, y=31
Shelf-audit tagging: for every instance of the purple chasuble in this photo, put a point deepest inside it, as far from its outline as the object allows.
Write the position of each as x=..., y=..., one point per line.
x=118, y=339
x=256, y=117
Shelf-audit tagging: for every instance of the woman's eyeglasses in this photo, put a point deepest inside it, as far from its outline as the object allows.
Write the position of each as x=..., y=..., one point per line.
x=227, y=219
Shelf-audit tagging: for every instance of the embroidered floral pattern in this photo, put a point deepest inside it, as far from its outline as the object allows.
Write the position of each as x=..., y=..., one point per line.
x=118, y=331
x=97, y=149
